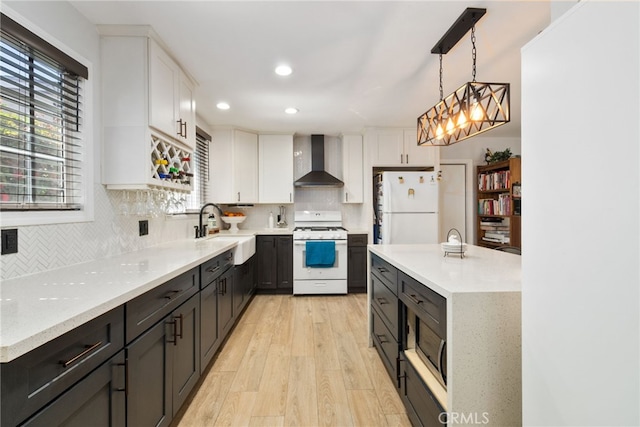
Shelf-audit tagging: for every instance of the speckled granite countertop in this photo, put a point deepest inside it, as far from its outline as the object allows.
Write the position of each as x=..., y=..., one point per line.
x=37, y=308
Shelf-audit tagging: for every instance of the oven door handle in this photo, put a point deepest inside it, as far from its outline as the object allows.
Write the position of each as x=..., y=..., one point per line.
x=304, y=242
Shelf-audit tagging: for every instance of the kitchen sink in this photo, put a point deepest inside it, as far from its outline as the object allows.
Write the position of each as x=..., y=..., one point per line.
x=245, y=249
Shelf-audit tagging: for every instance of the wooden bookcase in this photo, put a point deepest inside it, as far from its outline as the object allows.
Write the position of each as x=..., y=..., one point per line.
x=499, y=208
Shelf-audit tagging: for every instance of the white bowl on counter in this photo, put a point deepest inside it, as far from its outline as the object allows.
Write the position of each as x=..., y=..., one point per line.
x=233, y=221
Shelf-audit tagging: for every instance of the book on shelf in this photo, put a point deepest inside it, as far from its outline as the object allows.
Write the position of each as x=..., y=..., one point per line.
x=500, y=180
x=499, y=206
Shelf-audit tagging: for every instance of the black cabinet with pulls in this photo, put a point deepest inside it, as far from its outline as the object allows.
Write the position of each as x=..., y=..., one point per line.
x=275, y=263
x=36, y=378
x=98, y=400
x=225, y=303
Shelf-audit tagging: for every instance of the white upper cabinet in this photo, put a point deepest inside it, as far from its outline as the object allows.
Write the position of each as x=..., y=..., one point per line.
x=233, y=167
x=275, y=167
x=171, y=103
x=398, y=147
x=352, y=168
x=139, y=152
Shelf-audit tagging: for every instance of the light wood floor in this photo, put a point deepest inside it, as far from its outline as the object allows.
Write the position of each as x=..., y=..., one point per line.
x=297, y=361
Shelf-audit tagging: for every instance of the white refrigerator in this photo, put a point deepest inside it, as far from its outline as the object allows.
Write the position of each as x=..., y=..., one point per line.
x=408, y=208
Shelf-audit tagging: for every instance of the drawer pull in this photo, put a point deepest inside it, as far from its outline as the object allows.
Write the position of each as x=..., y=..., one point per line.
x=382, y=270
x=88, y=349
x=171, y=294
x=382, y=301
x=179, y=334
x=212, y=270
x=382, y=338
x=414, y=299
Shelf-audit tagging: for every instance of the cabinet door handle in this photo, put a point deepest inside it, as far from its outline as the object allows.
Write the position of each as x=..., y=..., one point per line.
x=407, y=156
x=179, y=127
x=401, y=159
x=87, y=349
x=382, y=301
x=346, y=195
x=179, y=334
x=185, y=130
x=382, y=270
x=382, y=338
x=126, y=377
x=174, y=322
x=291, y=197
x=238, y=196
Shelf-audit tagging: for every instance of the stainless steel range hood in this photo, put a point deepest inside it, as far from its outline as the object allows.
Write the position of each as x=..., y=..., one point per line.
x=318, y=177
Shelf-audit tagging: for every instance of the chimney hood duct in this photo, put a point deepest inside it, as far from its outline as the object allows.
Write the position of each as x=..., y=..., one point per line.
x=318, y=177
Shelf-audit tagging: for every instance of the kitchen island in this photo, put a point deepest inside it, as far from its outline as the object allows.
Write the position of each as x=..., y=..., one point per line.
x=483, y=329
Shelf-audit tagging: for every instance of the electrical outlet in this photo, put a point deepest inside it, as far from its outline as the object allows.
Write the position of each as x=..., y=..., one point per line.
x=143, y=226
x=10, y=241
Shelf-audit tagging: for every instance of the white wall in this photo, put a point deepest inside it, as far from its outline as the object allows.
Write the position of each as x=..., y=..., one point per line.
x=47, y=247
x=581, y=298
x=475, y=148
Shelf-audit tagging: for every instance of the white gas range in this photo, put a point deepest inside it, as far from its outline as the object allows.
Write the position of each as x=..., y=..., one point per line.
x=319, y=253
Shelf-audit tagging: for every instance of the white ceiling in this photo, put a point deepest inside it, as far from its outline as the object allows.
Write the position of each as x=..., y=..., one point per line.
x=355, y=64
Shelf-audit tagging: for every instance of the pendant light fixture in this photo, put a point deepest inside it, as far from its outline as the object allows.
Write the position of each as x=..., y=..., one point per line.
x=471, y=109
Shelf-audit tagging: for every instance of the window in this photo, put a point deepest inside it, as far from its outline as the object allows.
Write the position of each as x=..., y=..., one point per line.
x=200, y=166
x=40, y=122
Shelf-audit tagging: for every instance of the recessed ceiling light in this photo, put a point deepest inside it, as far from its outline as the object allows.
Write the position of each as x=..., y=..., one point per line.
x=291, y=110
x=222, y=106
x=283, y=70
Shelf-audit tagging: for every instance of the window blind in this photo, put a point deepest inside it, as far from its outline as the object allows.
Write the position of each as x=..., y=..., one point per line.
x=198, y=195
x=40, y=119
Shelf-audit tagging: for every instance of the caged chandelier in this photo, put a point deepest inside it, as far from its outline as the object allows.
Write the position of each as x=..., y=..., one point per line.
x=474, y=107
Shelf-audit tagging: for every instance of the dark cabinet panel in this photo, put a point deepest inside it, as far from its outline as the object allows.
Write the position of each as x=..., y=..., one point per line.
x=154, y=305
x=285, y=262
x=244, y=285
x=387, y=304
x=423, y=408
x=186, y=349
x=275, y=263
x=38, y=377
x=209, y=338
x=225, y=303
x=98, y=400
x=149, y=362
x=267, y=262
x=387, y=346
x=357, y=263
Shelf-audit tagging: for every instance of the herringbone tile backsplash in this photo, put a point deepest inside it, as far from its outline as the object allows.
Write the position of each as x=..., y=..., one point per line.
x=47, y=247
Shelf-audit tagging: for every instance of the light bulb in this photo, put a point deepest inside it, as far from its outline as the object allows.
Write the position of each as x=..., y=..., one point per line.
x=450, y=126
x=439, y=132
x=462, y=120
x=476, y=112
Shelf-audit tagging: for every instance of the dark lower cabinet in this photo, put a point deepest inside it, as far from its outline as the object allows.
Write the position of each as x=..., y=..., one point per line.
x=225, y=302
x=163, y=366
x=244, y=284
x=149, y=363
x=98, y=400
x=422, y=407
x=275, y=263
x=209, y=337
x=357, y=263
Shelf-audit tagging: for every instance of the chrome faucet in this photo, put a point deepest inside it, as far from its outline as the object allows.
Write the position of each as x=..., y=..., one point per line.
x=201, y=232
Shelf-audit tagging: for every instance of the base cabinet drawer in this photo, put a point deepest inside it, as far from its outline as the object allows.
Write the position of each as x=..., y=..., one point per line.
x=422, y=407
x=97, y=401
x=387, y=304
x=386, y=345
x=36, y=378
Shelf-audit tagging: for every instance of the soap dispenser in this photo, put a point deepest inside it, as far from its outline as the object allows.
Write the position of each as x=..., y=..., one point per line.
x=270, y=220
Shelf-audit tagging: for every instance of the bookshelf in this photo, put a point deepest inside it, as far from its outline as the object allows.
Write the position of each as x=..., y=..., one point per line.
x=499, y=205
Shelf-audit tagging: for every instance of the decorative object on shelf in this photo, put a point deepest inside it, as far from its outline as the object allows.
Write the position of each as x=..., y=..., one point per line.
x=471, y=109
x=498, y=156
x=454, y=244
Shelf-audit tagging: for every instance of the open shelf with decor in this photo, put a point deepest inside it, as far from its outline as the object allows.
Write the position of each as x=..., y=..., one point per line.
x=498, y=221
